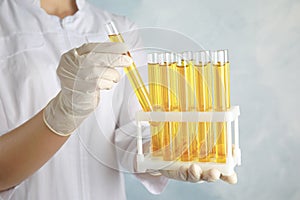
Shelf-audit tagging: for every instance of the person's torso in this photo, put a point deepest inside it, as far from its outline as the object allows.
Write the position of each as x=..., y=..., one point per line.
x=31, y=43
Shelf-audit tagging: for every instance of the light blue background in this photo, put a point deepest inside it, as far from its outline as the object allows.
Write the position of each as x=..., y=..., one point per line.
x=263, y=37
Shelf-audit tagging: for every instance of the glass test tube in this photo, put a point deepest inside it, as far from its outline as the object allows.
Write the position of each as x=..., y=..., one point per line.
x=219, y=104
x=153, y=76
x=173, y=98
x=131, y=71
x=162, y=97
x=168, y=65
x=183, y=134
x=192, y=153
x=203, y=90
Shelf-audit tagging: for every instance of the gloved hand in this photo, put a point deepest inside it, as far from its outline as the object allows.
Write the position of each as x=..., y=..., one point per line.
x=194, y=173
x=83, y=72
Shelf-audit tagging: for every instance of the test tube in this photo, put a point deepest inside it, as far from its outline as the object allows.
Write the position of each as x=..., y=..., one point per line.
x=131, y=71
x=182, y=139
x=203, y=90
x=168, y=65
x=153, y=76
x=191, y=104
x=163, y=99
x=173, y=98
x=219, y=103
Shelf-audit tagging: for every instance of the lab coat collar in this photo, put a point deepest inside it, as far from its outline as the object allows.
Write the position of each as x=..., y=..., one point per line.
x=80, y=3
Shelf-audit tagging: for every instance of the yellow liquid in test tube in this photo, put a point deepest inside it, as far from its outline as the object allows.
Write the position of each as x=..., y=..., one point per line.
x=132, y=74
x=220, y=128
x=162, y=97
x=170, y=89
x=227, y=82
x=182, y=139
x=175, y=153
x=156, y=138
x=204, y=104
x=193, y=151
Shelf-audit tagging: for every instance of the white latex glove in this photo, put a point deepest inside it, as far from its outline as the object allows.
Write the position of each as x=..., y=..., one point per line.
x=194, y=174
x=83, y=72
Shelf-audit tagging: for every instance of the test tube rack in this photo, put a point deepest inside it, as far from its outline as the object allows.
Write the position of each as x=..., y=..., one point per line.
x=145, y=162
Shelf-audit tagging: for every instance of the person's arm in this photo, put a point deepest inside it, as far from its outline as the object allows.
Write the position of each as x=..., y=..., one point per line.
x=25, y=149
x=83, y=72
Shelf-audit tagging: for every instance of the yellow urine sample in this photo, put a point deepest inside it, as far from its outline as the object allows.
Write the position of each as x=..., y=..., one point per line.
x=194, y=150
x=182, y=139
x=172, y=152
x=156, y=138
x=162, y=98
x=190, y=86
x=204, y=104
x=135, y=79
x=227, y=82
x=173, y=93
x=159, y=97
x=220, y=128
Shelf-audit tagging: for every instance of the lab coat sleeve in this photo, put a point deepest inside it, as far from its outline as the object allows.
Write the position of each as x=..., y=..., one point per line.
x=125, y=135
x=7, y=194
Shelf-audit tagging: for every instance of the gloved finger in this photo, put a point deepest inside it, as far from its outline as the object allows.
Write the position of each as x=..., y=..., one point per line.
x=230, y=179
x=105, y=47
x=183, y=173
x=105, y=60
x=211, y=175
x=194, y=173
x=110, y=74
x=105, y=84
x=95, y=73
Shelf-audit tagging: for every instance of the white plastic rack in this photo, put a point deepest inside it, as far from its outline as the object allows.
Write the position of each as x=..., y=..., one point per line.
x=146, y=162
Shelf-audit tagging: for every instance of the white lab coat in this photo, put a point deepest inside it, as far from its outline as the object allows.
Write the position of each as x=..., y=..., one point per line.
x=88, y=165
